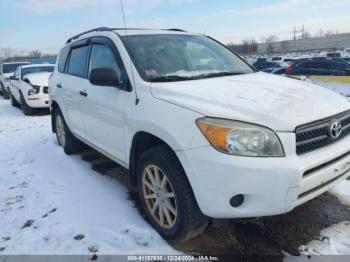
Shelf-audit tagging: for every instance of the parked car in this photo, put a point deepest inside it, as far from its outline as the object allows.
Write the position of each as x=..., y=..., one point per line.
x=29, y=87
x=202, y=134
x=321, y=67
x=266, y=66
x=279, y=71
x=347, y=59
x=277, y=59
x=335, y=54
x=6, y=70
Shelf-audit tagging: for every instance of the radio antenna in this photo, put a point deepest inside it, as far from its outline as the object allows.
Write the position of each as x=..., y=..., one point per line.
x=131, y=67
x=124, y=20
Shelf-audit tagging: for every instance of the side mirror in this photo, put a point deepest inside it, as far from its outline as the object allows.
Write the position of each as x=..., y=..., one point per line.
x=105, y=77
x=13, y=77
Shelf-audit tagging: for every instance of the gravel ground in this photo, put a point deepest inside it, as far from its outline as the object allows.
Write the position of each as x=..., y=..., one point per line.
x=270, y=236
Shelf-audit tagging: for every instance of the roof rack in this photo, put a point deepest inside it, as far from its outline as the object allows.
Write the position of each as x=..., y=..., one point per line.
x=175, y=29
x=101, y=29
x=98, y=29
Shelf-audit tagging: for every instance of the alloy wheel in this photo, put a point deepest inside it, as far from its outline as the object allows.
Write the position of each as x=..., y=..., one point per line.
x=159, y=196
x=61, y=133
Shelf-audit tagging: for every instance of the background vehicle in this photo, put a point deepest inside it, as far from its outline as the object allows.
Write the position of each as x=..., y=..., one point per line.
x=322, y=67
x=266, y=66
x=29, y=87
x=6, y=70
x=202, y=134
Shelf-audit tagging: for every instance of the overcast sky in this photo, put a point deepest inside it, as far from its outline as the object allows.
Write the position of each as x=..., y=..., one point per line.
x=46, y=24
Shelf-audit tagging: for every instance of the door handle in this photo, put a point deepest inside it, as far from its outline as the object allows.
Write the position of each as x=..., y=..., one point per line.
x=59, y=86
x=83, y=93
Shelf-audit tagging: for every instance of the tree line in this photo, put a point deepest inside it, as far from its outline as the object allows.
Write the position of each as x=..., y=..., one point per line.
x=250, y=46
x=10, y=54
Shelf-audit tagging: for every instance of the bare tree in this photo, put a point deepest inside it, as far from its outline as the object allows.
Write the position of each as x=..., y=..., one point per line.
x=305, y=35
x=35, y=54
x=320, y=33
x=284, y=46
x=6, y=53
x=270, y=40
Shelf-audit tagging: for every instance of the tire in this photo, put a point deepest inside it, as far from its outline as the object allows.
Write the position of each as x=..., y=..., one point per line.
x=5, y=93
x=26, y=109
x=14, y=102
x=64, y=136
x=187, y=221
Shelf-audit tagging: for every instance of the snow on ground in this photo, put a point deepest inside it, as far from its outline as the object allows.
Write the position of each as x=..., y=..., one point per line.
x=48, y=200
x=334, y=240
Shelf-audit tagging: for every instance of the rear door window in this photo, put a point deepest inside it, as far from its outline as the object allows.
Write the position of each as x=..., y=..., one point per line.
x=77, y=61
x=63, y=59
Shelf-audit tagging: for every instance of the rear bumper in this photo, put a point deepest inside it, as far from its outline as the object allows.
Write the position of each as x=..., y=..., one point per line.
x=270, y=185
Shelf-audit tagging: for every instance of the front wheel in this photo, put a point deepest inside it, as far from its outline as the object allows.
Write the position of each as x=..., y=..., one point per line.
x=64, y=136
x=26, y=109
x=5, y=93
x=166, y=196
x=14, y=102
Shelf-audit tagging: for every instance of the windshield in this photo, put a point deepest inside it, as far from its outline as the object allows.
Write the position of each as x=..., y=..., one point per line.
x=10, y=68
x=164, y=58
x=33, y=70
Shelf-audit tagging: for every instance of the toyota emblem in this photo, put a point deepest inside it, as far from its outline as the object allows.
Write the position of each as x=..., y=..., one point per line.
x=336, y=129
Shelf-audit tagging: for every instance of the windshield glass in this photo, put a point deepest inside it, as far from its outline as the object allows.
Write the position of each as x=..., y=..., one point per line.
x=33, y=70
x=163, y=58
x=10, y=68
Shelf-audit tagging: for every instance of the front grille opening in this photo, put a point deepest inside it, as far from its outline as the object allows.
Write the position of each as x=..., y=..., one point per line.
x=317, y=135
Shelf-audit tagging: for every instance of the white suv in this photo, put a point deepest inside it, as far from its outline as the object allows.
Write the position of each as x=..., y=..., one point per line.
x=29, y=87
x=202, y=134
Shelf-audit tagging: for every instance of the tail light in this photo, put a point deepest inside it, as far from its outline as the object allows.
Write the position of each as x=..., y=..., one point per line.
x=289, y=70
x=51, y=75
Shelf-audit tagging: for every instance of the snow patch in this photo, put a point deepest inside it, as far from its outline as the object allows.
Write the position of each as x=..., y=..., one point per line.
x=48, y=198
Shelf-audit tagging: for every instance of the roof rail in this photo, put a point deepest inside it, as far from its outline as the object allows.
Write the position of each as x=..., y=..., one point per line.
x=101, y=29
x=98, y=29
x=175, y=29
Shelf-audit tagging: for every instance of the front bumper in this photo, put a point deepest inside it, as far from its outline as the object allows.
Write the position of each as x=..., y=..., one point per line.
x=38, y=101
x=270, y=186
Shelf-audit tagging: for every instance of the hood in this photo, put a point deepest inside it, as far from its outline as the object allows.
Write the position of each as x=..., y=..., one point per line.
x=7, y=75
x=39, y=79
x=277, y=102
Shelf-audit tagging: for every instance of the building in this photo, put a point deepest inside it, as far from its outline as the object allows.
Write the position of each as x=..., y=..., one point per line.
x=332, y=42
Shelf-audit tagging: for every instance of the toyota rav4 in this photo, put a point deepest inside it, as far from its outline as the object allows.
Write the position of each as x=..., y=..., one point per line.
x=202, y=134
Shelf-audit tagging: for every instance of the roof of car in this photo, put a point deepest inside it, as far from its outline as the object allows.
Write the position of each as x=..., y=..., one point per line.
x=36, y=65
x=126, y=31
x=12, y=63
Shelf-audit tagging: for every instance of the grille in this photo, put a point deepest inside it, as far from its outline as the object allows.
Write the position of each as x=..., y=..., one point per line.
x=46, y=90
x=313, y=136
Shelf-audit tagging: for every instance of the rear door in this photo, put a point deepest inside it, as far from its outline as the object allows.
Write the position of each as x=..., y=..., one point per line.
x=70, y=84
x=104, y=106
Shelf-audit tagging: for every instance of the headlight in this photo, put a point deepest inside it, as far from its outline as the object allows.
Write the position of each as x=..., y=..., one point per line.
x=239, y=138
x=35, y=90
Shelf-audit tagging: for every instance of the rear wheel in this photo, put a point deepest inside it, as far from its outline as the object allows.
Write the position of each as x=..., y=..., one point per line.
x=26, y=109
x=64, y=136
x=166, y=196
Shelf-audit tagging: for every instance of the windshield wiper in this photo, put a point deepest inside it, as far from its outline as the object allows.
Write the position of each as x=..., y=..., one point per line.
x=169, y=78
x=218, y=74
